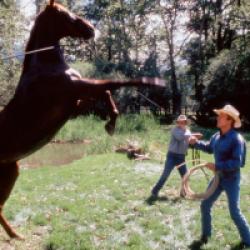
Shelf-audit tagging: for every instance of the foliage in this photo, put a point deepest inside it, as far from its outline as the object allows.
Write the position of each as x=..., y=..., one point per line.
x=218, y=55
x=123, y=43
x=228, y=80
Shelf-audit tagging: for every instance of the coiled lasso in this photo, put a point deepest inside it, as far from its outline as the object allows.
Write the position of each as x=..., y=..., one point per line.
x=186, y=187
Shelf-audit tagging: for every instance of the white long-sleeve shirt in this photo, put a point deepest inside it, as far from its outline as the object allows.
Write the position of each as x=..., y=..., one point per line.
x=179, y=140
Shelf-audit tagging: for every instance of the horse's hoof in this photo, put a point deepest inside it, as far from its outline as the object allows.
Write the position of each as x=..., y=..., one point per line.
x=110, y=129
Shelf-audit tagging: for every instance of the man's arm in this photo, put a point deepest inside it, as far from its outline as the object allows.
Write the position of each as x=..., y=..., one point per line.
x=180, y=134
x=197, y=135
x=202, y=145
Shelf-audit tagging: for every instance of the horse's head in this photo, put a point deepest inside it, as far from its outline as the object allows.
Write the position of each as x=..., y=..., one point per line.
x=67, y=23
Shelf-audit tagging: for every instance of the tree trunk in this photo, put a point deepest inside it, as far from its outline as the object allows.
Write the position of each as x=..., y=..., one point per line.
x=169, y=19
x=176, y=98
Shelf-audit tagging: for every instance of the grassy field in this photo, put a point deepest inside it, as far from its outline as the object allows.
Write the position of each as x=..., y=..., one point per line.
x=98, y=202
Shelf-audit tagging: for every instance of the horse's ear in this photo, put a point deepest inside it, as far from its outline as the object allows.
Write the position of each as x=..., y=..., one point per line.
x=52, y=2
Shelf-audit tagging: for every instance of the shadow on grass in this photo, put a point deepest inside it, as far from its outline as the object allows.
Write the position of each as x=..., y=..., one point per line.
x=198, y=244
x=151, y=200
x=239, y=246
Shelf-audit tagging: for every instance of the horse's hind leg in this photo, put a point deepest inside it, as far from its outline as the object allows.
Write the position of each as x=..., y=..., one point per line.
x=8, y=176
x=113, y=113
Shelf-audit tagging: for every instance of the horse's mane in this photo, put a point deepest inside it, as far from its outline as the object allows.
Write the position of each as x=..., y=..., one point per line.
x=31, y=43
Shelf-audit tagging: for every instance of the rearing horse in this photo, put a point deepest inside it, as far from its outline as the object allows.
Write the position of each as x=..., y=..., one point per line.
x=48, y=94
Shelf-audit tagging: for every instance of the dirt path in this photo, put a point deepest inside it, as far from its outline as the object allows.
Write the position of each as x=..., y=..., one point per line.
x=34, y=240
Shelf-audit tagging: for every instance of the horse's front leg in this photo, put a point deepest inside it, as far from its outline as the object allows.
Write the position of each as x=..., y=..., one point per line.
x=112, y=111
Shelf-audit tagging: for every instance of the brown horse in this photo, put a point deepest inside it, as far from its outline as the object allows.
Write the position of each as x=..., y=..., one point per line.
x=48, y=94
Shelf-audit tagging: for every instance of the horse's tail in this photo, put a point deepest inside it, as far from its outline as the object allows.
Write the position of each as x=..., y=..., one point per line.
x=102, y=85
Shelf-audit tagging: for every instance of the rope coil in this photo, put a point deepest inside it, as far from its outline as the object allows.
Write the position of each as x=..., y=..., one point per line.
x=186, y=187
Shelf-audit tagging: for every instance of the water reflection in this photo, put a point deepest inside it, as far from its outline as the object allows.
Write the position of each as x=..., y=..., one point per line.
x=54, y=154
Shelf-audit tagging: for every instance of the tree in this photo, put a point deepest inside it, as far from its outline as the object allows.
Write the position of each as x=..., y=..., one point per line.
x=169, y=12
x=124, y=43
x=215, y=25
x=227, y=76
x=11, y=34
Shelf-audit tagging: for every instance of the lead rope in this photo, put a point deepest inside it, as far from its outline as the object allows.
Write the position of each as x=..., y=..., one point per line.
x=196, y=159
x=35, y=51
x=28, y=53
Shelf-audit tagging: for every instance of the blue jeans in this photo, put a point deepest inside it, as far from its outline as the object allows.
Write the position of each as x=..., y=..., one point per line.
x=231, y=185
x=171, y=161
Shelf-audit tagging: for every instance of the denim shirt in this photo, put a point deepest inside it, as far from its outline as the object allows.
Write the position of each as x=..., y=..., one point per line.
x=229, y=150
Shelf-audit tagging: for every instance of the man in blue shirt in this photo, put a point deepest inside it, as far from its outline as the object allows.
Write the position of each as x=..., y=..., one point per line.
x=229, y=149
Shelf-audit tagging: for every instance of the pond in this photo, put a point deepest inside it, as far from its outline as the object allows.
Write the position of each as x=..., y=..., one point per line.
x=54, y=154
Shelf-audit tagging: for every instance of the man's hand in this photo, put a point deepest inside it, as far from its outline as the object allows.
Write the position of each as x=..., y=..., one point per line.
x=192, y=140
x=197, y=135
x=211, y=166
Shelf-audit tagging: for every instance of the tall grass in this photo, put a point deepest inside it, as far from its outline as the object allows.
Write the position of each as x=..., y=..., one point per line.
x=136, y=124
x=92, y=126
x=81, y=128
x=140, y=129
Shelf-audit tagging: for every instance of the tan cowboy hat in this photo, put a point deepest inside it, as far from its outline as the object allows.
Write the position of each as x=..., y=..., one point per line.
x=232, y=112
x=181, y=118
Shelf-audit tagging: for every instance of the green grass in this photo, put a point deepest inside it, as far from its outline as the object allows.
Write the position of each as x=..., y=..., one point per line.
x=98, y=202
